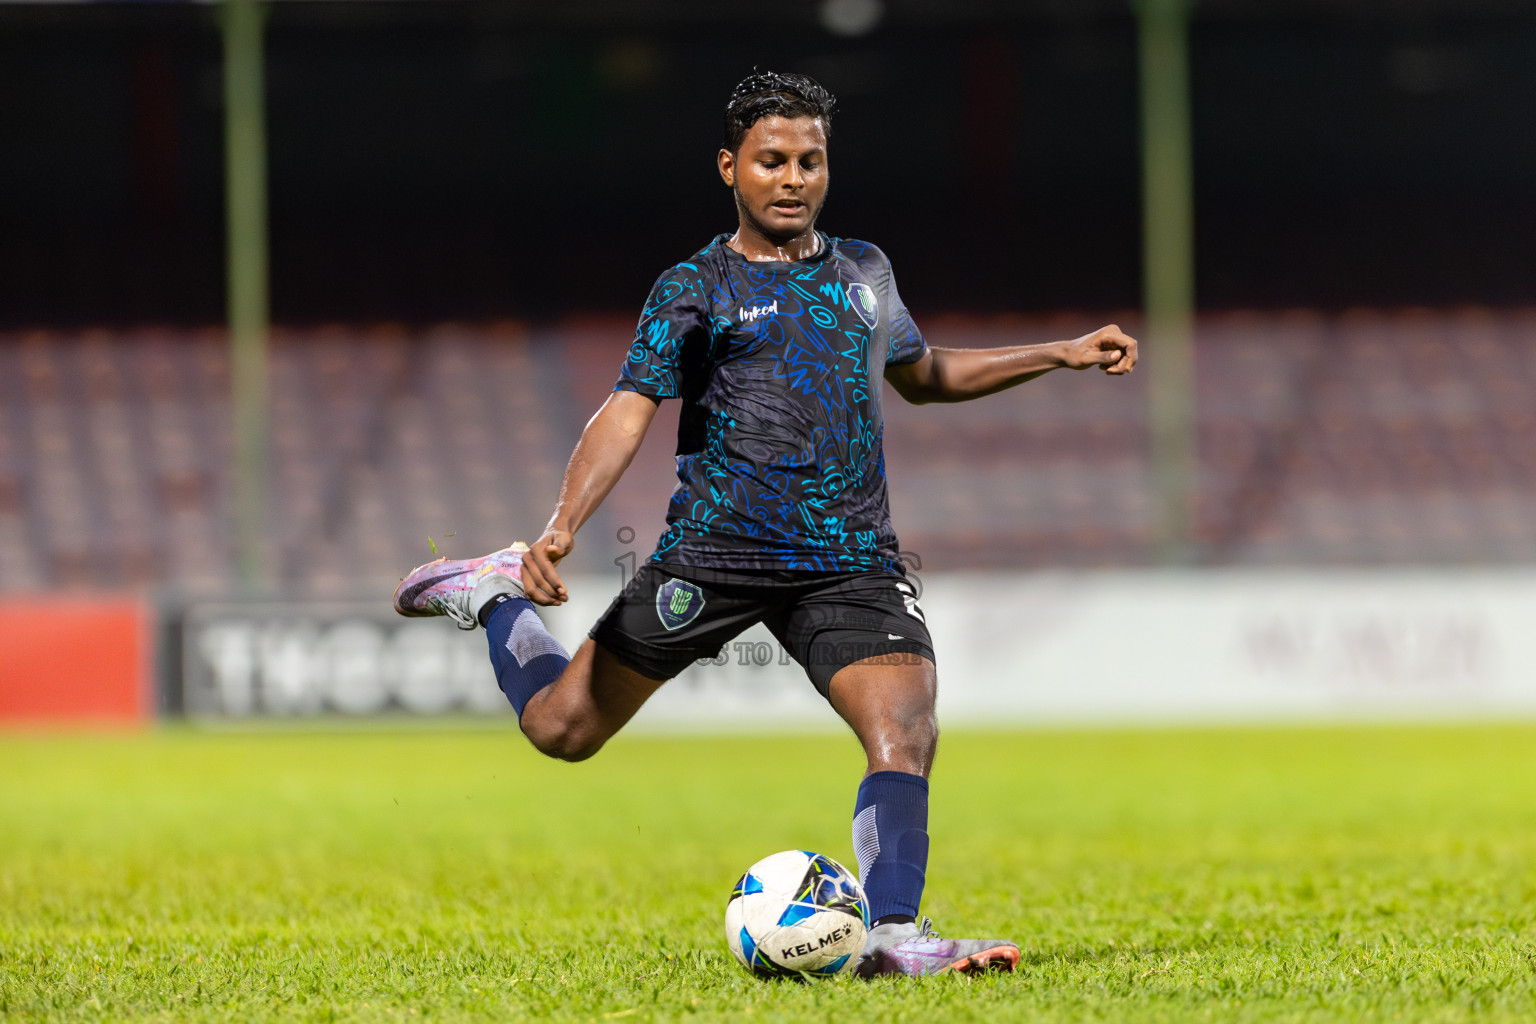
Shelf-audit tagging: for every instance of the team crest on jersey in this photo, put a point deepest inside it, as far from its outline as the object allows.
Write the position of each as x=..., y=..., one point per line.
x=863, y=298
x=678, y=603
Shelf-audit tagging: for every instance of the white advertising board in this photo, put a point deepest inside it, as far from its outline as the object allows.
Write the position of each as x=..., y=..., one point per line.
x=257, y=659
x=1229, y=645
x=1011, y=649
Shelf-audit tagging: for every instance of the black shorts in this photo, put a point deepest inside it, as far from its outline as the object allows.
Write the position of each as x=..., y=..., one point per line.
x=670, y=616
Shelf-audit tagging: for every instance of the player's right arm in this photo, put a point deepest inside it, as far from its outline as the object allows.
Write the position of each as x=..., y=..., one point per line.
x=675, y=311
x=607, y=446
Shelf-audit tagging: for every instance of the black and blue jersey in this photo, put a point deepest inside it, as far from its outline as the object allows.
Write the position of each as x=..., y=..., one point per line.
x=779, y=366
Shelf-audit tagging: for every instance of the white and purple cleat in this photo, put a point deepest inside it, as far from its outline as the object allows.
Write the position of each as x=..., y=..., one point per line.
x=915, y=951
x=460, y=589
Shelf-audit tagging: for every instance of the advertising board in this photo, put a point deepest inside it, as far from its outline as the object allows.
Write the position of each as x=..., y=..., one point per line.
x=74, y=659
x=242, y=660
x=1011, y=649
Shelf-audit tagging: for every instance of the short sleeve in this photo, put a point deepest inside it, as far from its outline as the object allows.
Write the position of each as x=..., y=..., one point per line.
x=676, y=309
x=906, y=344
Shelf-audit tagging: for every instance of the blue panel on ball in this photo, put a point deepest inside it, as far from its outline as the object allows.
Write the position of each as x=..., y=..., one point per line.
x=835, y=965
x=748, y=947
x=750, y=883
x=795, y=913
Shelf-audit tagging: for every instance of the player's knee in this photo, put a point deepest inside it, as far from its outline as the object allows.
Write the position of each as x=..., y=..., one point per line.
x=914, y=726
x=563, y=740
x=565, y=746
x=920, y=735
x=915, y=716
x=576, y=748
x=904, y=744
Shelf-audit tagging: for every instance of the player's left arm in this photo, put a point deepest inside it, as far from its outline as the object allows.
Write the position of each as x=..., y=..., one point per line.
x=960, y=374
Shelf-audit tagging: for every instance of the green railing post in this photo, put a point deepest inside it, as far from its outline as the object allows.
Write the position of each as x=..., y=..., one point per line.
x=1168, y=254
x=245, y=160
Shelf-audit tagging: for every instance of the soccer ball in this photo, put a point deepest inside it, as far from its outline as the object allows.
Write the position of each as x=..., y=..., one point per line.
x=797, y=913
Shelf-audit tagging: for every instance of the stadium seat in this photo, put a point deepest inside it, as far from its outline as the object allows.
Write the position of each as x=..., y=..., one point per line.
x=1371, y=437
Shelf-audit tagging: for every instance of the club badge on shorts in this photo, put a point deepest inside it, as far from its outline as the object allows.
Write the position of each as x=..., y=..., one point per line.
x=678, y=603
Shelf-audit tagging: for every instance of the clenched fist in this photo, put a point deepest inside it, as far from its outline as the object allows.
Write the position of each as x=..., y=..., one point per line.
x=1108, y=347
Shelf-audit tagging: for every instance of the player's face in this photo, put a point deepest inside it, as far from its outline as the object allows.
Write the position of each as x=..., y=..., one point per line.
x=779, y=175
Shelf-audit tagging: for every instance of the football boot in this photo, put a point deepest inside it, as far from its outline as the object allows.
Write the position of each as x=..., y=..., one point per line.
x=459, y=589
x=917, y=950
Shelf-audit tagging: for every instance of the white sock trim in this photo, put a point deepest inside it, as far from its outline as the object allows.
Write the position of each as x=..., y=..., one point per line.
x=866, y=841
x=529, y=639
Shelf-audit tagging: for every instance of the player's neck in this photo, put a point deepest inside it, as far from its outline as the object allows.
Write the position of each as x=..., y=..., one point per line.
x=759, y=248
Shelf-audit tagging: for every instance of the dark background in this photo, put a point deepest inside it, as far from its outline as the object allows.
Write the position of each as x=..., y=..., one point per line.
x=472, y=160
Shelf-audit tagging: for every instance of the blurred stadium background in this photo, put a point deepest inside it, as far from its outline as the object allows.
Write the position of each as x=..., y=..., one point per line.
x=468, y=202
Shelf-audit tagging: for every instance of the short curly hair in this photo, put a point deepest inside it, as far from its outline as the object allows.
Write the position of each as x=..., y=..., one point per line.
x=771, y=93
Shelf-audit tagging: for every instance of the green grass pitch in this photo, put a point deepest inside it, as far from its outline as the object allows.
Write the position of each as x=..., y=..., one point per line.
x=1298, y=874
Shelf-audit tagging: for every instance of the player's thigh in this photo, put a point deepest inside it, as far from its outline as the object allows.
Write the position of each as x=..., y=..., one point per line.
x=593, y=698
x=658, y=625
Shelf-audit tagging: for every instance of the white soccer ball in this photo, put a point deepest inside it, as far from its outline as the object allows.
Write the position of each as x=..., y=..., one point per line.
x=797, y=913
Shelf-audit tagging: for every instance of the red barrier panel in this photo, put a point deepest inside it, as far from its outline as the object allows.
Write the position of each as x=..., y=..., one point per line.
x=74, y=660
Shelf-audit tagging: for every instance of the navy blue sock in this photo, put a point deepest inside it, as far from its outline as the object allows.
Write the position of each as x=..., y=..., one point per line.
x=526, y=657
x=890, y=837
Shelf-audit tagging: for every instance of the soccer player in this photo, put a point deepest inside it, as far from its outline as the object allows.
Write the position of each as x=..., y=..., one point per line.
x=775, y=338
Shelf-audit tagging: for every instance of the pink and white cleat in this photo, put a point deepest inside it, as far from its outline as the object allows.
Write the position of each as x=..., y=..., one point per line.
x=908, y=949
x=460, y=589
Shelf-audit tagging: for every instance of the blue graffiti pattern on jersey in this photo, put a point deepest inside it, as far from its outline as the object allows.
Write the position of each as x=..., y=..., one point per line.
x=779, y=456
